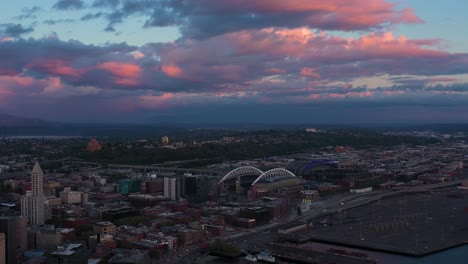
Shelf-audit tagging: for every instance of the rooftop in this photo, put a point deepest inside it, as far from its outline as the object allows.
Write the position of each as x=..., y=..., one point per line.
x=66, y=250
x=128, y=257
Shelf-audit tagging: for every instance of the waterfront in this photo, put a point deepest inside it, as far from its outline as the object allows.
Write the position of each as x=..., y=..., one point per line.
x=453, y=256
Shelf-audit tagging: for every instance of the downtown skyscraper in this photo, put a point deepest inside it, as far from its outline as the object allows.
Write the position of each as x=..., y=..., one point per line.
x=32, y=204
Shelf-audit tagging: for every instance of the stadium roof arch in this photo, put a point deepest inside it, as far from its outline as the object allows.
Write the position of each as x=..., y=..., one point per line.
x=241, y=171
x=274, y=173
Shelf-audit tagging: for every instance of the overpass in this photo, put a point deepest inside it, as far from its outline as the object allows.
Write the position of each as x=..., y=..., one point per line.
x=158, y=169
x=167, y=169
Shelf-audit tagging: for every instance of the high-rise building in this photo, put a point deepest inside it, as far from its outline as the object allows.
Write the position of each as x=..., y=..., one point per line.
x=172, y=187
x=200, y=186
x=22, y=233
x=2, y=249
x=32, y=204
x=8, y=225
x=165, y=140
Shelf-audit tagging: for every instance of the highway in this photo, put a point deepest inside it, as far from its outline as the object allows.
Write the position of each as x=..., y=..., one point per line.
x=157, y=169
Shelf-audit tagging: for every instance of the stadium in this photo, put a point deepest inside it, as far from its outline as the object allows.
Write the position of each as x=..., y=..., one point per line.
x=278, y=182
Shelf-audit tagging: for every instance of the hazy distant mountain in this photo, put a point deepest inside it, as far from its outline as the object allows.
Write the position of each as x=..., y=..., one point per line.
x=14, y=121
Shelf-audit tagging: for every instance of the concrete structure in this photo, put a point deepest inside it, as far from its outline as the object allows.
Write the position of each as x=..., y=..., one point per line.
x=238, y=173
x=200, y=187
x=32, y=204
x=105, y=228
x=130, y=257
x=276, y=182
x=48, y=239
x=128, y=186
x=72, y=254
x=14, y=228
x=71, y=197
x=363, y=190
x=22, y=233
x=165, y=140
x=2, y=249
x=172, y=187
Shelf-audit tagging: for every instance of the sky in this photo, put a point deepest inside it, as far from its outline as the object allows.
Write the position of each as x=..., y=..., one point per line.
x=235, y=61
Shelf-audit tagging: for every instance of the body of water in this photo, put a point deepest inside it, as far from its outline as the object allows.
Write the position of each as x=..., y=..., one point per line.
x=458, y=255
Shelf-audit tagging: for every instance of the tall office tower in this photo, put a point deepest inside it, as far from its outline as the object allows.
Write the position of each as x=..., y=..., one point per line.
x=8, y=227
x=32, y=204
x=22, y=233
x=2, y=249
x=172, y=187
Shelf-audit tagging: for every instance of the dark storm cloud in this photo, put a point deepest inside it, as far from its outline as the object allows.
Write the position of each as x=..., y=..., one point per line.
x=14, y=30
x=270, y=59
x=205, y=18
x=69, y=4
x=23, y=53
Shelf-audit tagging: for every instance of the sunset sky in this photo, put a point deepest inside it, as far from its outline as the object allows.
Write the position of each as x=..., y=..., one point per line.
x=225, y=61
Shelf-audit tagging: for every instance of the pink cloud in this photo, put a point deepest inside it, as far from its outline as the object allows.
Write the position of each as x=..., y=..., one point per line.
x=156, y=101
x=22, y=85
x=138, y=55
x=121, y=69
x=16, y=81
x=172, y=71
x=127, y=74
x=55, y=67
x=228, y=72
x=309, y=72
x=303, y=43
x=6, y=39
x=54, y=86
x=347, y=86
x=391, y=93
x=336, y=14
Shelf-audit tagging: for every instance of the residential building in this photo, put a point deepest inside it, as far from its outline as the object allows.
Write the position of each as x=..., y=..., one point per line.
x=106, y=228
x=48, y=239
x=70, y=197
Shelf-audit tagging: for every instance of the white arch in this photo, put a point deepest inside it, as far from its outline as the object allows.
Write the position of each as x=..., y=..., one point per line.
x=245, y=170
x=278, y=172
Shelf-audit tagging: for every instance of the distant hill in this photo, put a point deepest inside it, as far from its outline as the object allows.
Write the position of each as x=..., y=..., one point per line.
x=14, y=121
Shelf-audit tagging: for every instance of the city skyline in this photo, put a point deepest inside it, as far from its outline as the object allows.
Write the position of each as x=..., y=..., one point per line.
x=299, y=61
